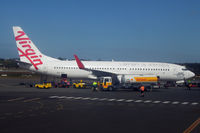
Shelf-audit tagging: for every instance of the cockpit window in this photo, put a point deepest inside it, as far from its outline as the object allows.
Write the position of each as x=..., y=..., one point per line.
x=184, y=69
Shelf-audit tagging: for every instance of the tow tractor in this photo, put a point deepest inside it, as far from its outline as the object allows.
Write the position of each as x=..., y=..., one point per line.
x=43, y=85
x=79, y=84
x=64, y=83
x=105, y=83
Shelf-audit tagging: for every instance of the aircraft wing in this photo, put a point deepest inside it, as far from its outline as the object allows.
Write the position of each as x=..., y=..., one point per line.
x=95, y=72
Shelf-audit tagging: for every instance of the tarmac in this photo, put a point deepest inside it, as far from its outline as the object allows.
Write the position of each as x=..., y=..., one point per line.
x=68, y=110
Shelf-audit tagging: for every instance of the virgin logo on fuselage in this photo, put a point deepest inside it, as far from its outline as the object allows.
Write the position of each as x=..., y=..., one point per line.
x=27, y=51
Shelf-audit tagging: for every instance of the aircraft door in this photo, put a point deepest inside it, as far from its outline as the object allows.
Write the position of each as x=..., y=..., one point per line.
x=63, y=75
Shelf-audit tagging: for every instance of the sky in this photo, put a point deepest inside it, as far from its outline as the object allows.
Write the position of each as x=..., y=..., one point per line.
x=123, y=30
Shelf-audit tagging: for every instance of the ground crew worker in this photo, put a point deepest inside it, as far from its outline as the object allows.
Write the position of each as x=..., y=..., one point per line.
x=142, y=90
x=94, y=85
x=189, y=86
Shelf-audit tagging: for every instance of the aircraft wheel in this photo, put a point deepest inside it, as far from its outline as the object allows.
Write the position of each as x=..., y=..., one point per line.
x=97, y=89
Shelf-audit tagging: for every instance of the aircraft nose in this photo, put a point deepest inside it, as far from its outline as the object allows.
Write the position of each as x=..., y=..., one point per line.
x=191, y=74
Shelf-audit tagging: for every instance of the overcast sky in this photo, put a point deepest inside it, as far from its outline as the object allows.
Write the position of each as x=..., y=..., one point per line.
x=124, y=30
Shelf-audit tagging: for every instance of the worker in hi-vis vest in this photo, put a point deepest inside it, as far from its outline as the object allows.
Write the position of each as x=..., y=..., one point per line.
x=142, y=90
x=94, y=86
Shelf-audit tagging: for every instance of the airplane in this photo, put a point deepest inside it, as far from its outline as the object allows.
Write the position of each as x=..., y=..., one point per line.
x=122, y=72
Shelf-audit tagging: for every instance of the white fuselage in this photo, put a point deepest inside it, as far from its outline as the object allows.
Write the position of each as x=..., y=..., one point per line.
x=165, y=71
x=32, y=59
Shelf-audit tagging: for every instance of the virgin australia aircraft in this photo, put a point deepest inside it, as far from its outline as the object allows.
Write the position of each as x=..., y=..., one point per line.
x=31, y=58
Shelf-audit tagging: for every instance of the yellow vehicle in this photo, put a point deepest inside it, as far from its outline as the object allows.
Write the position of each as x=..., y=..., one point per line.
x=43, y=85
x=106, y=83
x=79, y=85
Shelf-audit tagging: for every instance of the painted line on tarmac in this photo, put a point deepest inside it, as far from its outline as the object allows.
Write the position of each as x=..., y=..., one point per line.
x=138, y=101
x=121, y=100
x=53, y=96
x=30, y=100
x=94, y=99
x=62, y=97
x=78, y=98
x=69, y=97
x=166, y=102
x=194, y=103
x=156, y=101
x=147, y=101
x=103, y=99
x=124, y=100
x=16, y=99
x=176, y=102
x=86, y=98
x=111, y=100
x=184, y=103
x=129, y=100
x=193, y=126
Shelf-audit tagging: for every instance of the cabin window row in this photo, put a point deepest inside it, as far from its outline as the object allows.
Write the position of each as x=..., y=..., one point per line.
x=150, y=69
x=65, y=67
x=136, y=69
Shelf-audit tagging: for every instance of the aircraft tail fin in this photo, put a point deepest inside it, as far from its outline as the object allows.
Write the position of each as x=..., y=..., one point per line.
x=28, y=52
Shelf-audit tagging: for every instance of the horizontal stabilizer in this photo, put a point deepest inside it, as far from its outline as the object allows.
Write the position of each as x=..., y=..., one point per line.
x=23, y=64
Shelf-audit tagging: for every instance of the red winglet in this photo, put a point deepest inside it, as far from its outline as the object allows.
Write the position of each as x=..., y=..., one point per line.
x=79, y=63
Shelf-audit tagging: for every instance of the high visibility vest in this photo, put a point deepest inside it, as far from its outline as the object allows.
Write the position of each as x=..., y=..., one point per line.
x=94, y=83
x=142, y=88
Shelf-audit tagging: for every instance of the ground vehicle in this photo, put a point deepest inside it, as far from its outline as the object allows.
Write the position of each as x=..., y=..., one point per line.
x=43, y=85
x=79, y=84
x=105, y=83
x=194, y=84
x=64, y=83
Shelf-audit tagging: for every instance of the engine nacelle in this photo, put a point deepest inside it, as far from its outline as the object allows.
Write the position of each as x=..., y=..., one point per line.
x=92, y=76
x=137, y=78
x=180, y=82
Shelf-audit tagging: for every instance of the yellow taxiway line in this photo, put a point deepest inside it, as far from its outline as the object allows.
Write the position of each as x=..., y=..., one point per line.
x=30, y=100
x=16, y=99
x=191, y=127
